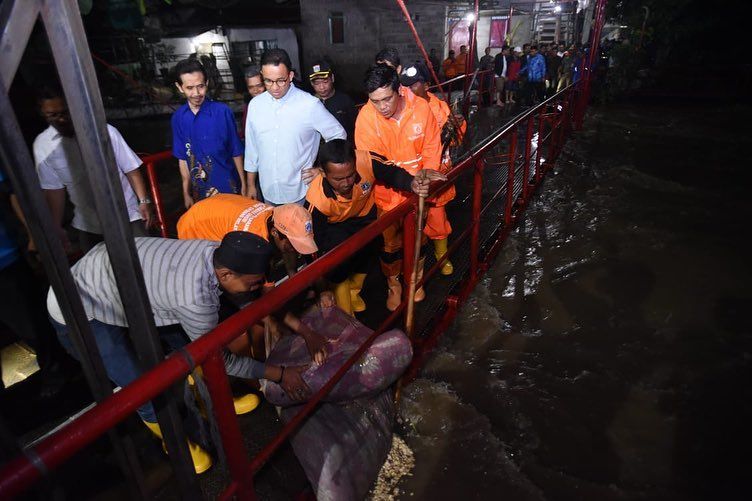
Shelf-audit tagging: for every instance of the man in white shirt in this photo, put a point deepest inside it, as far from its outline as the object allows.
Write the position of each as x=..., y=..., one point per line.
x=283, y=131
x=60, y=168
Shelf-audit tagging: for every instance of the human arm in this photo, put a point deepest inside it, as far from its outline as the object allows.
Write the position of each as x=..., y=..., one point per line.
x=393, y=176
x=145, y=207
x=431, y=147
x=325, y=123
x=241, y=173
x=315, y=342
x=250, y=185
x=185, y=178
x=56, y=203
x=250, y=160
x=290, y=379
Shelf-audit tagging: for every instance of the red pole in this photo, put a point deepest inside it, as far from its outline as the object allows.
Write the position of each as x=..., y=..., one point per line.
x=409, y=225
x=229, y=430
x=526, y=166
x=475, y=234
x=539, y=147
x=156, y=196
x=422, y=49
x=510, y=177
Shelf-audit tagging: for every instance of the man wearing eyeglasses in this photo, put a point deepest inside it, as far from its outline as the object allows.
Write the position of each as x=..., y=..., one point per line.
x=283, y=131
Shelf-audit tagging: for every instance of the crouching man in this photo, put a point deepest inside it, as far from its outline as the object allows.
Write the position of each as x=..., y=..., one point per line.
x=341, y=201
x=184, y=280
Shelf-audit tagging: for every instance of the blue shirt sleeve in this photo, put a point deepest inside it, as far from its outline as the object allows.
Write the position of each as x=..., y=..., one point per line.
x=325, y=123
x=236, y=147
x=178, y=139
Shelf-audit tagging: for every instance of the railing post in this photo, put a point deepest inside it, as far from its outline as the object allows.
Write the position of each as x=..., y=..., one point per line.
x=409, y=226
x=224, y=411
x=510, y=176
x=526, y=165
x=156, y=196
x=539, y=145
x=475, y=233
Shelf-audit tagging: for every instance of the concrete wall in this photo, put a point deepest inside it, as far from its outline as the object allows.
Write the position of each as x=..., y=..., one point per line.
x=369, y=27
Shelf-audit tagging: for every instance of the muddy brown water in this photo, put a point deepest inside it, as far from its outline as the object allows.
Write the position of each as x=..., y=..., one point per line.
x=607, y=353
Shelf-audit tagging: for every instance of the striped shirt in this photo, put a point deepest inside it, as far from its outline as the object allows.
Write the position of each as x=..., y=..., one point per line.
x=180, y=282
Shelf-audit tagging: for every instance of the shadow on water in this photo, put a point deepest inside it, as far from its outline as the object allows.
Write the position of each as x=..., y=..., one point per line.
x=606, y=353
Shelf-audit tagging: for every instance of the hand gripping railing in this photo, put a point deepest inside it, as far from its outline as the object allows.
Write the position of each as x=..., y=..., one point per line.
x=554, y=116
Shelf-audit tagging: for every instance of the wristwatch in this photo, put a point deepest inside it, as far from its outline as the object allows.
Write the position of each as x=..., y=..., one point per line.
x=142, y=201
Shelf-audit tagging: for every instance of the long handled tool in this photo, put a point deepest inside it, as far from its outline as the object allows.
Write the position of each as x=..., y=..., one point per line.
x=410, y=314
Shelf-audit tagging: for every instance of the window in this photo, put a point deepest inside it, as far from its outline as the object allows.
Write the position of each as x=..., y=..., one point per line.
x=336, y=28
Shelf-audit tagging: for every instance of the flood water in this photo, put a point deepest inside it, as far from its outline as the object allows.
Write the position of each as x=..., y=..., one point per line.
x=607, y=353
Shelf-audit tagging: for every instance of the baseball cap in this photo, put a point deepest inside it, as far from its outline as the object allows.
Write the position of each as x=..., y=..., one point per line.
x=414, y=73
x=296, y=224
x=518, y=49
x=320, y=69
x=244, y=253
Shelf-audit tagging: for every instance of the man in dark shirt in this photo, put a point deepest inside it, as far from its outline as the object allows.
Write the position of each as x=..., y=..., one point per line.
x=338, y=104
x=341, y=202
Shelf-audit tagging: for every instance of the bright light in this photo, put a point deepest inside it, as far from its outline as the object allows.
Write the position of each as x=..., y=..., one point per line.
x=557, y=9
x=470, y=17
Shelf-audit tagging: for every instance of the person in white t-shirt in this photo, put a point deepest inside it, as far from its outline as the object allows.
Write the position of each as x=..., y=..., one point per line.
x=60, y=168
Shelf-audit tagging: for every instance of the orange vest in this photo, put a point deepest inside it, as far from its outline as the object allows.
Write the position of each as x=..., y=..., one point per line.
x=412, y=143
x=214, y=217
x=448, y=66
x=337, y=208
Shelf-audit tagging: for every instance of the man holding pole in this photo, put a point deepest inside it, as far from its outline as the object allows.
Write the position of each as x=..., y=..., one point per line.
x=403, y=129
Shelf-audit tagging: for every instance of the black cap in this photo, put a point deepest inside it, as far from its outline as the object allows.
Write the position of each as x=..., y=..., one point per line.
x=416, y=72
x=320, y=69
x=244, y=253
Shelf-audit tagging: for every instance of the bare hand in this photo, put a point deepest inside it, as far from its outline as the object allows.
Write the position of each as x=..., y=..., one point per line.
x=293, y=384
x=316, y=344
x=326, y=300
x=309, y=174
x=423, y=179
x=251, y=192
x=187, y=201
x=147, y=214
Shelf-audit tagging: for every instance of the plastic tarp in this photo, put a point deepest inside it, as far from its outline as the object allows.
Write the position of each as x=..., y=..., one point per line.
x=344, y=443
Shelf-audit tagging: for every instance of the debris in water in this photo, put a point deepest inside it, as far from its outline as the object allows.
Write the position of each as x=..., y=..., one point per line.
x=399, y=463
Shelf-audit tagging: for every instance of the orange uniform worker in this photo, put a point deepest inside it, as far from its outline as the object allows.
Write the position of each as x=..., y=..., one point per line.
x=447, y=66
x=437, y=227
x=288, y=226
x=403, y=129
x=341, y=202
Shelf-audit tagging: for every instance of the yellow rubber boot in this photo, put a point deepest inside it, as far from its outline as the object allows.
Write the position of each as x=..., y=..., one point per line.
x=202, y=460
x=242, y=404
x=440, y=248
x=356, y=285
x=394, y=294
x=342, y=296
x=420, y=294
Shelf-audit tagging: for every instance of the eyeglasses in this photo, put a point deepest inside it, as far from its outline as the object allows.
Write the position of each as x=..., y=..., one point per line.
x=56, y=115
x=280, y=81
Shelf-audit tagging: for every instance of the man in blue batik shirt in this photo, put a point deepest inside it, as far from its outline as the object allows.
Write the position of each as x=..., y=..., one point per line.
x=204, y=139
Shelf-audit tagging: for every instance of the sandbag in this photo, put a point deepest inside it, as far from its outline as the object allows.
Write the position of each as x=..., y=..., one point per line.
x=381, y=365
x=342, y=446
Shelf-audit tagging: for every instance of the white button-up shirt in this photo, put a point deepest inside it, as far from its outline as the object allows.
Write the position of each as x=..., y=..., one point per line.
x=282, y=138
x=59, y=165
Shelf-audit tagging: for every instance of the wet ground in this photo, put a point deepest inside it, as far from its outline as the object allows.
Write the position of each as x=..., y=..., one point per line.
x=607, y=353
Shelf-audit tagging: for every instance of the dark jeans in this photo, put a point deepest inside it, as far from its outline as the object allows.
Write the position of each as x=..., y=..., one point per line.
x=117, y=354
x=88, y=240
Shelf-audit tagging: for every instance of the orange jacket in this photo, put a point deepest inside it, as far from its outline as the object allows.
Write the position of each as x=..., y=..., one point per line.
x=214, y=217
x=412, y=143
x=335, y=207
x=448, y=67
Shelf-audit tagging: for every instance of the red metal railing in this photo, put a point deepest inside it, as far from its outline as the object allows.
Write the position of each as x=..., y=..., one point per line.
x=554, y=118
